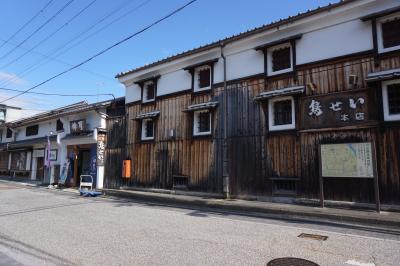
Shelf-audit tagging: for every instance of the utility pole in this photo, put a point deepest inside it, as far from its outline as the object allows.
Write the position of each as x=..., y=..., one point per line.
x=225, y=159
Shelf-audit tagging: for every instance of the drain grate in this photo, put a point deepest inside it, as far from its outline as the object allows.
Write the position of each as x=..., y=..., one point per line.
x=313, y=236
x=291, y=262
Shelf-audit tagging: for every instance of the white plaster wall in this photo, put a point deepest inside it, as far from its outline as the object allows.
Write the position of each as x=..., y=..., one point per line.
x=333, y=33
x=132, y=93
x=177, y=80
x=339, y=40
x=240, y=64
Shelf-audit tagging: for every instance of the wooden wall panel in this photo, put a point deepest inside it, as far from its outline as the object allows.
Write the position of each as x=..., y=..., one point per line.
x=256, y=155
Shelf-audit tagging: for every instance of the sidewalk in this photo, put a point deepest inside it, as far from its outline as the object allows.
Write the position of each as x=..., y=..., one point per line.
x=267, y=209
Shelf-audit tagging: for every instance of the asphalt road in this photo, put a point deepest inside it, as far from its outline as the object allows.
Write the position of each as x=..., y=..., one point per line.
x=39, y=226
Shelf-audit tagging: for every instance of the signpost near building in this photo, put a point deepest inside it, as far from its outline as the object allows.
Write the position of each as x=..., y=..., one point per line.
x=348, y=160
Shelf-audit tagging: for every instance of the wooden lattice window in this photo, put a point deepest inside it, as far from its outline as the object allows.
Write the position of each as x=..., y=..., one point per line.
x=283, y=112
x=281, y=59
x=32, y=130
x=393, y=91
x=149, y=91
x=202, y=122
x=204, y=78
x=147, y=129
x=391, y=33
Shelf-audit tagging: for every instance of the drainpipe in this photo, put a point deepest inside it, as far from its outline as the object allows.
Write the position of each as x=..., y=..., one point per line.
x=225, y=160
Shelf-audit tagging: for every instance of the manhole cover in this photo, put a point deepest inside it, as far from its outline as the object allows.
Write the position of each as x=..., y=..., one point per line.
x=291, y=262
x=313, y=236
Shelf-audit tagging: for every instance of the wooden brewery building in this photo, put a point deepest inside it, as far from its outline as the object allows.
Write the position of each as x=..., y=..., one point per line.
x=252, y=115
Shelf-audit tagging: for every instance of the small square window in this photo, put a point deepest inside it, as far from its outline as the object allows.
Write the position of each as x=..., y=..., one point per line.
x=202, y=123
x=147, y=129
x=32, y=130
x=9, y=133
x=59, y=125
x=281, y=113
x=280, y=59
x=202, y=78
x=148, y=91
x=391, y=100
x=388, y=30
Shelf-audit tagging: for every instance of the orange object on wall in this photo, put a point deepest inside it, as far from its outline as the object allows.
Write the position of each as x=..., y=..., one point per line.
x=126, y=169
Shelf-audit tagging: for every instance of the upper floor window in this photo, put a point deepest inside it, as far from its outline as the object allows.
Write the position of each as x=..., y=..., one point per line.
x=280, y=59
x=59, y=125
x=202, y=79
x=202, y=123
x=148, y=91
x=388, y=31
x=391, y=100
x=281, y=113
x=147, y=129
x=9, y=133
x=32, y=130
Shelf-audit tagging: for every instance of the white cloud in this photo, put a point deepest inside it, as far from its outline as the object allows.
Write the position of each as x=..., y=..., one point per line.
x=11, y=78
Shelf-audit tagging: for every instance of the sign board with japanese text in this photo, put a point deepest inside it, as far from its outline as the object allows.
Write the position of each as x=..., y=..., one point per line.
x=78, y=126
x=353, y=160
x=335, y=110
x=348, y=160
x=100, y=149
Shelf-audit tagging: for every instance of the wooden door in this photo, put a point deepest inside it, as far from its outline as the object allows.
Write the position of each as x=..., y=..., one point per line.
x=39, y=168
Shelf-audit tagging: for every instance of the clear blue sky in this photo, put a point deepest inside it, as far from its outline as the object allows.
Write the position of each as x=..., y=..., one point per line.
x=201, y=23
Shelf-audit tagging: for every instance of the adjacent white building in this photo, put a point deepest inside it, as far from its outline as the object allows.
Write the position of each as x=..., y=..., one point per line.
x=75, y=132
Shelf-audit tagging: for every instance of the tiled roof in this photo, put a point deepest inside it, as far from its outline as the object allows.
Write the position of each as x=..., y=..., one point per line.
x=239, y=36
x=79, y=107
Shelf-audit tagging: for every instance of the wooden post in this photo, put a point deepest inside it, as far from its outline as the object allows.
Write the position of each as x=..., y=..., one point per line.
x=321, y=179
x=376, y=180
x=321, y=192
x=76, y=153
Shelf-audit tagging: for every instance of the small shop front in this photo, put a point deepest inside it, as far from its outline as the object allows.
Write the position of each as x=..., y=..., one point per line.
x=81, y=160
x=4, y=162
x=82, y=154
x=20, y=165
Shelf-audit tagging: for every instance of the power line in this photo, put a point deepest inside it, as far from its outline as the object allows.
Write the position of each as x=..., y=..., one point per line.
x=51, y=34
x=105, y=50
x=38, y=29
x=42, y=61
x=18, y=75
x=27, y=23
x=60, y=94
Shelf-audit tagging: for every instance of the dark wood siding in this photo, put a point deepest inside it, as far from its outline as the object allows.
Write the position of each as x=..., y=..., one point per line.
x=257, y=157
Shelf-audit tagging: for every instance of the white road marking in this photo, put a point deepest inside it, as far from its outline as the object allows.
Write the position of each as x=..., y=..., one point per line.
x=358, y=263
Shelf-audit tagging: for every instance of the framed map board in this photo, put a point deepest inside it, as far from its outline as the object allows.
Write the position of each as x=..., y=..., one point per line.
x=353, y=160
x=348, y=160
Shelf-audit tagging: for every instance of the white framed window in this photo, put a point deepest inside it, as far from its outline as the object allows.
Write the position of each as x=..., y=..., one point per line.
x=202, y=123
x=281, y=113
x=149, y=91
x=388, y=33
x=202, y=78
x=391, y=100
x=147, y=129
x=280, y=59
